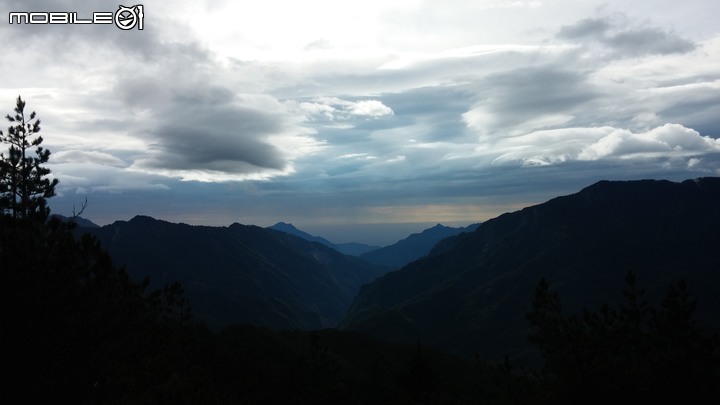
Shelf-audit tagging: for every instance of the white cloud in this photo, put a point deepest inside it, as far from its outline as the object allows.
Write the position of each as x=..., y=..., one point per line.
x=79, y=156
x=549, y=147
x=335, y=109
x=89, y=177
x=670, y=140
x=356, y=156
x=397, y=159
x=404, y=61
x=370, y=108
x=315, y=111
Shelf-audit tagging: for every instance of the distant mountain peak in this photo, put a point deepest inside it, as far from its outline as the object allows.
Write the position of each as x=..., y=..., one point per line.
x=284, y=225
x=143, y=218
x=352, y=249
x=413, y=247
x=292, y=230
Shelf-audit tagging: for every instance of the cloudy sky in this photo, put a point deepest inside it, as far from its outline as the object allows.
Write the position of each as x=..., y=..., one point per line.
x=328, y=114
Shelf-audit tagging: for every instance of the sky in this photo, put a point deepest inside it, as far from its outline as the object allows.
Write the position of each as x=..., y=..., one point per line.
x=342, y=117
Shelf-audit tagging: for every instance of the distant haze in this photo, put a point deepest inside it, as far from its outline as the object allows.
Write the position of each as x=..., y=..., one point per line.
x=372, y=234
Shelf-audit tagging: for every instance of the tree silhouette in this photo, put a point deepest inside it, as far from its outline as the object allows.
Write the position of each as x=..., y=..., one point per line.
x=24, y=181
x=631, y=353
x=74, y=327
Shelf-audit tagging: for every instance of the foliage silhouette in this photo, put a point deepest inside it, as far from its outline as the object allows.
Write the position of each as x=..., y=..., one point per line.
x=634, y=352
x=73, y=326
x=24, y=181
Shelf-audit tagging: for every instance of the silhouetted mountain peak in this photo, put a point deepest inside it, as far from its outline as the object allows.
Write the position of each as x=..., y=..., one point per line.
x=414, y=246
x=144, y=219
x=352, y=249
x=282, y=226
x=292, y=230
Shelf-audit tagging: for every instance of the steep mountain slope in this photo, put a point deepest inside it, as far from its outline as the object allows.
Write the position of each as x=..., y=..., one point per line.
x=241, y=273
x=292, y=230
x=352, y=249
x=471, y=293
x=414, y=246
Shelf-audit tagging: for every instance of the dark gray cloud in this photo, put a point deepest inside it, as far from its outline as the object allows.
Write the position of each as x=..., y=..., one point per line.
x=586, y=28
x=648, y=41
x=228, y=139
x=173, y=87
x=164, y=90
x=194, y=125
x=543, y=96
x=538, y=90
x=700, y=114
x=625, y=41
x=437, y=108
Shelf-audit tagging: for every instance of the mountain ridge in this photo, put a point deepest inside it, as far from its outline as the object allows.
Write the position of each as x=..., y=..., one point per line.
x=352, y=248
x=240, y=273
x=414, y=246
x=470, y=295
x=79, y=221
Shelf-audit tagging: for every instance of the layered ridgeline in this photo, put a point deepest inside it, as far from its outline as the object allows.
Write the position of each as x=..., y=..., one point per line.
x=239, y=273
x=353, y=249
x=396, y=255
x=471, y=294
x=414, y=246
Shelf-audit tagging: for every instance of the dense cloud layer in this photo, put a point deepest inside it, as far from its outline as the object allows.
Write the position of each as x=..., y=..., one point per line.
x=358, y=115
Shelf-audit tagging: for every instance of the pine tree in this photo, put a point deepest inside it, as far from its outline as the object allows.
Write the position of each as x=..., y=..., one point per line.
x=24, y=181
x=74, y=327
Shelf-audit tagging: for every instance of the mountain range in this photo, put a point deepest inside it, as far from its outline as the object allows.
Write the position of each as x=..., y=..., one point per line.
x=278, y=277
x=240, y=274
x=414, y=246
x=352, y=248
x=396, y=255
x=471, y=293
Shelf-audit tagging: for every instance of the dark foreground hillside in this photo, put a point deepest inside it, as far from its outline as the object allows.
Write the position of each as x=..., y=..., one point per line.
x=471, y=294
x=254, y=365
x=241, y=274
